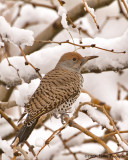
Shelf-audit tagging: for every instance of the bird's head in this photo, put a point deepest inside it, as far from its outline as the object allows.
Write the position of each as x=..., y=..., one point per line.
x=73, y=61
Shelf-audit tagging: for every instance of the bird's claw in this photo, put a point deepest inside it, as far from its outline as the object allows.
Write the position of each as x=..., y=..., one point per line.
x=63, y=117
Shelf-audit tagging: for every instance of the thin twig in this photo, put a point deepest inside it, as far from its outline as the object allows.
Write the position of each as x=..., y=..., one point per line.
x=122, y=9
x=112, y=133
x=66, y=147
x=76, y=134
x=7, y=105
x=87, y=9
x=37, y=4
x=113, y=124
x=6, y=56
x=61, y=2
x=69, y=19
x=79, y=45
x=17, y=15
x=23, y=152
x=125, y=5
x=10, y=121
x=90, y=134
x=17, y=70
x=123, y=87
x=97, y=101
x=31, y=149
x=105, y=22
x=51, y=137
x=119, y=91
x=104, y=111
x=28, y=63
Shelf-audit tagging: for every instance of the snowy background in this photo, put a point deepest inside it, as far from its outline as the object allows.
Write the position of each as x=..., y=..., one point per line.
x=20, y=24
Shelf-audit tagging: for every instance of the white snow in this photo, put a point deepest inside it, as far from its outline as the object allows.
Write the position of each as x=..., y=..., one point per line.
x=23, y=92
x=39, y=142
x=5, y=146
x=124, y=145
x=63, y=13
x=85, y=24
x=119, y=112
x=82, y=98
x=98, y=116
x=1, y=45
x=46, y=59
x=19, y=63
x=50, y=150
x=15, y=35
x=34, y=15
x=102, y=86
x=2, y=6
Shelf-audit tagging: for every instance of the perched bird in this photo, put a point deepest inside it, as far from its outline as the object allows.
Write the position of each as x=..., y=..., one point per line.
x=57, y=91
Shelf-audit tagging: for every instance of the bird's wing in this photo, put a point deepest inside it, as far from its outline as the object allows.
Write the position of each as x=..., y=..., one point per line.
x=55, y=89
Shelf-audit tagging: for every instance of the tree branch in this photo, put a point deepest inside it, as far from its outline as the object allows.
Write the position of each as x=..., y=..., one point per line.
x=53, y=29
x=7, y=105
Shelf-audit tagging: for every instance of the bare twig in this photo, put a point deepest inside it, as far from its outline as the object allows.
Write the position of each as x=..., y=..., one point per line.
x=17, y=70
x=125, y=5
x=23, y=152
x=52, y=136
x=36, y=4
x=97, y=101
x=7, y=105
x=113, y=124
x=63, y=142
x=66, y=147
x=112, y=133
x=122, y=9
x=105, y=22
x=121, y=86
x=76, y=134
x=87, y=132
x=105, y=112
x=61, y=2
x=10, y=121
x=17, y=15
x=28, y=63
x=87, y=9
x=80, y=45
x=6, y=56
x=31, y=149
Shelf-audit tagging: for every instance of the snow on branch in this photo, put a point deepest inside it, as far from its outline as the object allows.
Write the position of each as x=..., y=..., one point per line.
x=63, y=13
x=54, y=28
x=14, y=35
x=46, y=59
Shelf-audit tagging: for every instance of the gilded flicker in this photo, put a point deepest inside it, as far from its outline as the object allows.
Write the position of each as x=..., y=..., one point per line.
x=57, y=91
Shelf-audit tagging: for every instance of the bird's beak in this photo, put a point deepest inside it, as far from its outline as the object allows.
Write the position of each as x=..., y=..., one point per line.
x=87, y=58
x=90, y=57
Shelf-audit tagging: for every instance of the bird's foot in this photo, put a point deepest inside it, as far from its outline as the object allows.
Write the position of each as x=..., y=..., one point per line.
x=55, y=115
x=63, y=117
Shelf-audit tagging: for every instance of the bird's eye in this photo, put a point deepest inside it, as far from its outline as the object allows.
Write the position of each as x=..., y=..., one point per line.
x=74, y=59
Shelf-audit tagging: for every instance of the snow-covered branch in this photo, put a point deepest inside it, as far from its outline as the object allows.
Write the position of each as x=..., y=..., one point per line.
x=54, y=28
x=46, y=59
x=14, y=35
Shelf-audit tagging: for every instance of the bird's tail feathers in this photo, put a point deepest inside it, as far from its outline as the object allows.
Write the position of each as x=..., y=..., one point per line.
x=22, y=116
x=25, y=131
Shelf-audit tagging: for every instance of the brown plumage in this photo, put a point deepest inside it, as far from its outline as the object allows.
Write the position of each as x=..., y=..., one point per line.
x=57, y=91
